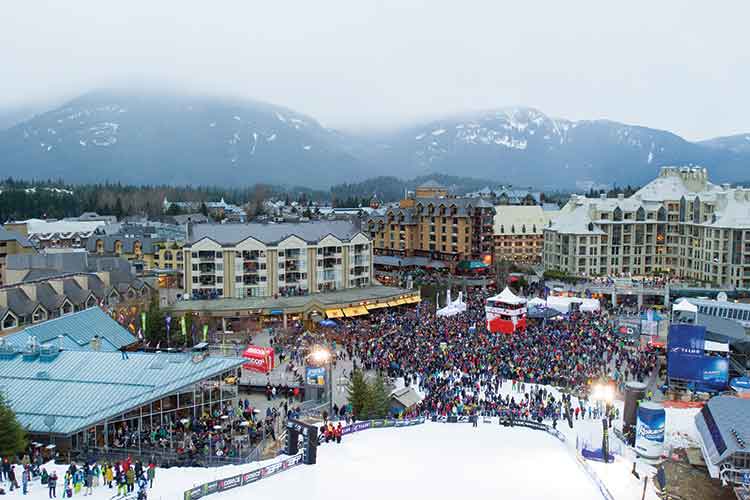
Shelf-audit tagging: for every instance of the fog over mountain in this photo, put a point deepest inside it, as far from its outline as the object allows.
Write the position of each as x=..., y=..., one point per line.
x=365, y=65
x=156, y=137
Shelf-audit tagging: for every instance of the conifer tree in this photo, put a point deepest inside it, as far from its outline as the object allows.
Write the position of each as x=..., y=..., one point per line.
x=12, y=435
x=380, y=396
x=359, y=395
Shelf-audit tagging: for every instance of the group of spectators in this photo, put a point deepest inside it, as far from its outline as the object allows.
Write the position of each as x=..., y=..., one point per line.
x=460, y=366
x=124, y=476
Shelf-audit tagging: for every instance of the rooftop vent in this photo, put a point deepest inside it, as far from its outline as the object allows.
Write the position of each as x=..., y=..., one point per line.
x=48, y=352
x=31, y=349
x=42, y=375
x=7, y=351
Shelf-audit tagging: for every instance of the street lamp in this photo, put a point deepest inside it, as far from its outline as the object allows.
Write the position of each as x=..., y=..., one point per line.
x=606, y=394
x=321, y=356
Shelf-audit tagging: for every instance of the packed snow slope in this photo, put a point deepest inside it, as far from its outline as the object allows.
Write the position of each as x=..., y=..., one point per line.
x=435, y=461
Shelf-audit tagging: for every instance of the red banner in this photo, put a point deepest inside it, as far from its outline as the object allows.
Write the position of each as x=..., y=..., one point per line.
x=259, y=359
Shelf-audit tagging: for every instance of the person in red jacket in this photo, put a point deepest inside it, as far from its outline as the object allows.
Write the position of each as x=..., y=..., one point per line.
x=338, y=432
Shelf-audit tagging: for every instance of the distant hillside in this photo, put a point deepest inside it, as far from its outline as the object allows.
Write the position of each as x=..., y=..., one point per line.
x=739, y=143
x=149, y=138
x=176, y=139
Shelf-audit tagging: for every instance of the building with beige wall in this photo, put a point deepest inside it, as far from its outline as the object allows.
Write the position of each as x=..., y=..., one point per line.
x=679, y=223
x=261, y=260
x=519, y=233
x=12, y=243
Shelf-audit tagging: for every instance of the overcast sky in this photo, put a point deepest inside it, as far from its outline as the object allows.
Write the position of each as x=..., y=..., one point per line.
x=678, y=65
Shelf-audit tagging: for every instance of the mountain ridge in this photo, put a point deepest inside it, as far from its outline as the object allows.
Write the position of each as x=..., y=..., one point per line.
x=157, y=137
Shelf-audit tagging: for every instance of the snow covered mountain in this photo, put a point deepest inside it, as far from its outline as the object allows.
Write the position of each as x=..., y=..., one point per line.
x=526, y=146
x=178, y=139
x=739, y=143
x=158, y=138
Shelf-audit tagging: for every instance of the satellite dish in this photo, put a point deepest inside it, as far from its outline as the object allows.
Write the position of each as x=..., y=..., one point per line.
x=721, y=297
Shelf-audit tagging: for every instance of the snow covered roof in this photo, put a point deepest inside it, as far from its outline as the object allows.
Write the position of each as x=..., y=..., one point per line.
x=512, y=219
x=39, y=226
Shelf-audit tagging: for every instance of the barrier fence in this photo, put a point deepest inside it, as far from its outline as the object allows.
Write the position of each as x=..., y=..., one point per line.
x=232, y=482
x=246, y=478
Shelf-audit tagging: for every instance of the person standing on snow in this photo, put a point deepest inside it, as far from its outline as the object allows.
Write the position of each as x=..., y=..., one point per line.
x=52, y=484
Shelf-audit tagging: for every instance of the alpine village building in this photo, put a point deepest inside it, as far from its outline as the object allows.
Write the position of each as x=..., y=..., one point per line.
x=431, y=223
x=265, y=260
x=679, y=224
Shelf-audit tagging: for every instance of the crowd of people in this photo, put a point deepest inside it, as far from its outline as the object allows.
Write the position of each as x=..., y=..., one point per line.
x=123, y=476
x=460, y=366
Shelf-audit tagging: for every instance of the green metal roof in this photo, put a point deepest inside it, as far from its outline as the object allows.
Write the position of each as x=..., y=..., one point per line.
x=76, y=331
x=82, y=388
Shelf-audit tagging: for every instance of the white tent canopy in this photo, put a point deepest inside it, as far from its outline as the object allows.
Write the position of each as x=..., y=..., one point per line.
x=685, y=306
x=536, y=301
x=563, y=304
x=452, y=307
x=508, y=297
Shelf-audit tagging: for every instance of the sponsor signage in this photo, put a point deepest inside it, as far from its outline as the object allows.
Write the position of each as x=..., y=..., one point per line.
x=686, y=359
x=258, y=359
x=315, y=376
x=242, y=479
x=649, y=430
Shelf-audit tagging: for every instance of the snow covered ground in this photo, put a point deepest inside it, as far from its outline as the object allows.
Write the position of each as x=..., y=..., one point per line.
x=433, y=461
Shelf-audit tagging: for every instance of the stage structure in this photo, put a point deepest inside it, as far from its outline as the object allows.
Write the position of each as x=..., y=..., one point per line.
x=506, y=313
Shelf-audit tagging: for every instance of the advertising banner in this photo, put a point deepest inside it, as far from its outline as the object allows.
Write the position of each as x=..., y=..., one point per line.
x=629, y=326
x=315, y=376
x=649, y=430
x=685, y=345
x=241, y=479
x=741, y=384
x=714, y=373
x=259, y=359
x=355, y=427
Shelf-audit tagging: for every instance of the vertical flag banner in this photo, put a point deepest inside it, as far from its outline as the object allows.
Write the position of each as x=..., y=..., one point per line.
x=183, y=326
x=168, y=321
x=205, y=333
x=143, y=323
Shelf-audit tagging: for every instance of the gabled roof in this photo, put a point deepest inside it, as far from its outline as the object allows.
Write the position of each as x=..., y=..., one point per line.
x=272, y=234
x=77, y=330
x=731, y=416
x=407, y=396
x=48, y=297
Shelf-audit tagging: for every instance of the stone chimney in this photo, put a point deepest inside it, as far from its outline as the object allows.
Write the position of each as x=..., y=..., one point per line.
x=3, y=298
x=30, y=291
x=621, y=196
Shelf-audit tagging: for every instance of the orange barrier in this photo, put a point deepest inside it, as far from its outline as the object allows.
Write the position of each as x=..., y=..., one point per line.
x=683, y=404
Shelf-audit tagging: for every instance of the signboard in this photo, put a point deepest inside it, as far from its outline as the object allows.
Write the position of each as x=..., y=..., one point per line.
x=649, y=430
x=242, y=479
x=686, y=359
x=685, y=345
x=315, y=376
x=628, y=326
x=740, y=384
x=259, y=359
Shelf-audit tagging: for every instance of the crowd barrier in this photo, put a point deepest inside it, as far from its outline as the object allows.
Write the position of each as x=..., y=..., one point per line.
x=232, y=482
x=380, y=424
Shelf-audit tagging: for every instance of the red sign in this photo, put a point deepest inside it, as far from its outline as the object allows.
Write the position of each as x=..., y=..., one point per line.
x=259, y=359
